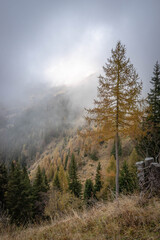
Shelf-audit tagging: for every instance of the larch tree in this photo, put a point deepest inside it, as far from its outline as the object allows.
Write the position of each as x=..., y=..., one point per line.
x=117, y=108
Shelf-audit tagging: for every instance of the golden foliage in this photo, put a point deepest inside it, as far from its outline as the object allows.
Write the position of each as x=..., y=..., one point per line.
x=63, y=180
x=118, y=106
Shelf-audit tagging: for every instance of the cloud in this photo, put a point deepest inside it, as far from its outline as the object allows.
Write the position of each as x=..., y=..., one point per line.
x=62, y=41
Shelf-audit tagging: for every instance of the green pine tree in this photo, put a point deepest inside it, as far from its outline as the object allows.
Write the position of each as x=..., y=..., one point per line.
x=98, y=182
x=65, y=164
x=56, y=182
x=19, y=195
x=74, y=184
x=153, y=118
x=127, y=181
x=39, y=195
x=148, y=143
x=154, y=96
x=88, y=190
x=3, y=185
x=45, y=179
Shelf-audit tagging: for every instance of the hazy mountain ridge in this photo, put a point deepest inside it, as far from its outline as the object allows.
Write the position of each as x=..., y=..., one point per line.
x=47, y=114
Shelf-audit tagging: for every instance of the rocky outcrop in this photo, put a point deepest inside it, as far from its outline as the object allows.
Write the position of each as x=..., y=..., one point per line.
x=148, y=173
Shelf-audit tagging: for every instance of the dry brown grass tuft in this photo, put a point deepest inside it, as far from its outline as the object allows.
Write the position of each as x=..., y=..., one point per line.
x=132, y=220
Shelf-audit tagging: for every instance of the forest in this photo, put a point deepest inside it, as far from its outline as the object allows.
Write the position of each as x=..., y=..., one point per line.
x=46, y=169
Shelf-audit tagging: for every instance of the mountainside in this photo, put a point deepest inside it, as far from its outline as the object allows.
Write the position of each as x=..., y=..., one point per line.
x=47, y=114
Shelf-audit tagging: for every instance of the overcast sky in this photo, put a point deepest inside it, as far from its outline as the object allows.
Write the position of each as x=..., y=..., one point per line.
x=63, y=42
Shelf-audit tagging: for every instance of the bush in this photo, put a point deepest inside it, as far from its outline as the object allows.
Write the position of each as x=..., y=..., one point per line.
x=94, y=156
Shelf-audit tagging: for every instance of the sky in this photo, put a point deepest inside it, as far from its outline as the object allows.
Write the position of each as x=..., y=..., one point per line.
x=64, y=42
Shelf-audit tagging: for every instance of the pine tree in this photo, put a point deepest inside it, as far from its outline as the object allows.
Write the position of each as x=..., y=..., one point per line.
x=88, y=190
x=148, y=143
x=153, y=117
x=56, y=182
x=19, y=195
x=117, y=109
x=98, y=182
x=39, y=195
x=74, y=184
x=127, y=179
x=45, y=179
x=154, y=97
x=3, y=185
x=65, y=164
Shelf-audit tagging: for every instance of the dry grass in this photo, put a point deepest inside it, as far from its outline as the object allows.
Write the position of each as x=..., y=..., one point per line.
x=133, y=220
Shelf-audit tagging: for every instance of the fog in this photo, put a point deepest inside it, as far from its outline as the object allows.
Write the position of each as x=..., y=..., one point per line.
x=51, y=53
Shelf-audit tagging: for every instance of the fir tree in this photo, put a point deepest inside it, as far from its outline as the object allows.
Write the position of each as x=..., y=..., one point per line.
x=18, y=195
x=148, y=143
x=154, y=97
x=3, y=185
x=88, y=190
x=127, y=180
x=65, y=164
x=74, y=184
x=153, y=118
x=56, y=182
x=45, y=179
x=39, y=195
x=98, y=182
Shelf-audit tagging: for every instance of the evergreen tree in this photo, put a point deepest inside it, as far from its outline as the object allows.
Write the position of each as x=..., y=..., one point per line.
x=45, y=179
x=148, y=143
x=18, y=195
x=3, y=185
x=117, y=109
x=74, y=184
x=88, y=190
x=127, y=180
x=153, y=118
x=154, y=97
x=65, y=164
x=56, y=182
x=98, y=182
x=39, y=195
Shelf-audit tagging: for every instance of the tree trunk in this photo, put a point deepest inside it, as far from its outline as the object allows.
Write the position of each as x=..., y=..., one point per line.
x=117, y=167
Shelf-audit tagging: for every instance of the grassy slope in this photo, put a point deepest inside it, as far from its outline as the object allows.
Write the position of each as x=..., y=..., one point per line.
x=132, y=220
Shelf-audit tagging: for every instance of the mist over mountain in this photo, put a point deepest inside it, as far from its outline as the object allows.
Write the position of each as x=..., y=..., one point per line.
x=46, y=113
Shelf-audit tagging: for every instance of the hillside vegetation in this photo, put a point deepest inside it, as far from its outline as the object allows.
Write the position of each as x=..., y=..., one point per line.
x=135, y=218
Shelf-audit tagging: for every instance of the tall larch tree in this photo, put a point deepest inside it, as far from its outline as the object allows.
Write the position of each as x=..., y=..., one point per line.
x=116, y=109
